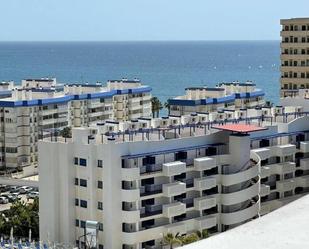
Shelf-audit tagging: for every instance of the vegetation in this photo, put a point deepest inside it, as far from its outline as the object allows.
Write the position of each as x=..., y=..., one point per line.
x=167, y=106
x=171, y=240
x=66, y=132
x=21, y=217
x=188, y=239
x=156, y=106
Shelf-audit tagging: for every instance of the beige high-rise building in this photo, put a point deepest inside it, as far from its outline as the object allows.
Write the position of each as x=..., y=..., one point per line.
x=294, y=55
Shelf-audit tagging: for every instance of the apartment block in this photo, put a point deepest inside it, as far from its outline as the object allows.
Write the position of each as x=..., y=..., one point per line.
x=38, y=106
x=294, y=55
x=232, y=96
x=141, y=180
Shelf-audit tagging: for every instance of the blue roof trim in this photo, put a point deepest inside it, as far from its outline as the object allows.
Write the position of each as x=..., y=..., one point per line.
x=210, y=101
x=47, y=101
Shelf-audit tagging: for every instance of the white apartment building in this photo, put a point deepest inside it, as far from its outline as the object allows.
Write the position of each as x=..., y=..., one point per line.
x=141, y=180
x=39, y=105
x=231, y=96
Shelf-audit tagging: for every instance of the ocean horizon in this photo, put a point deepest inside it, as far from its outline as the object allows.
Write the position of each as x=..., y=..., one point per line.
x=167, y=66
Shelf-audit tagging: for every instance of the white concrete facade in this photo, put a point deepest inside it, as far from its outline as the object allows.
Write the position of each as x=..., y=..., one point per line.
x=41, y=105
x=140, y=186
x=229, y=96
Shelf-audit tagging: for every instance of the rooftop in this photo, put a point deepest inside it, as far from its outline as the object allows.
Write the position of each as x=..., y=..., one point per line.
x=240, y=128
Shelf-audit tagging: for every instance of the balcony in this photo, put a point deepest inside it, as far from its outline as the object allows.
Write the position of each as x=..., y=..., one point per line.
x=201, y=184
x=173, y=209
x=285, y=185
x=174, y=168
x=150, y=189
x=130, y=195
x=282, y=168
x=304, y=147
x=302, y=181
x=283, y=150
x=205, y=202
x=242, y=215
x=263, y=153
x=204, y=163
x=265, y=190
x=150, y=168
x=304, y=164
x=206, y=222
x=131, y=216
x=150, y=210
x=172, y=189
x=265, y=171
x=175, y=228
x=130, y=174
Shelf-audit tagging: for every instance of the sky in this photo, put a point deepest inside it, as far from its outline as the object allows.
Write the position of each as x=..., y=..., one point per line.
x=140, y=20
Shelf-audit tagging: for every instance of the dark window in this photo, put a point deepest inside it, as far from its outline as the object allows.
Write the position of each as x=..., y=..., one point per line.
x=77, y=223
x=100, y=184
x=100, y=205
x=101, y=246
x=76, y=181
x=83, y=203
x=83, y=183
x=100, y=163
x=75, y=160
x=82, y=224
x=101, y=226
x=82, y=162
x=76, y=202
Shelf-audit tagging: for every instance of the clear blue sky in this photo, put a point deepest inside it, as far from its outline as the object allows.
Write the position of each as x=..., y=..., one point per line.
x=104, y=20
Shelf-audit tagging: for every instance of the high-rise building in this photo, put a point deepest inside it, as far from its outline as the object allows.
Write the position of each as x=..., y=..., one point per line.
x=39, y=105
x=138, y=181
x=294, y=56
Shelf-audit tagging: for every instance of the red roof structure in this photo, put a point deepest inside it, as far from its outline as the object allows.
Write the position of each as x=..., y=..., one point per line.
x=239, y=128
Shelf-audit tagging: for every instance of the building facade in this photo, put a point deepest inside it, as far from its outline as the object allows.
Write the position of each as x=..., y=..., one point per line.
x=41, y=105
x=141, y=180
x=232, y=96
x=294, y=55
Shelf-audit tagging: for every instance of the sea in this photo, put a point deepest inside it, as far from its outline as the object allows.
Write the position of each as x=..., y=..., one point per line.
x=168, y=67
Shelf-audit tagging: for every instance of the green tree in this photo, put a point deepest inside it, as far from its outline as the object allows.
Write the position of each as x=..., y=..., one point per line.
x=171, y=240
x=202, y=235
x=188, y=239
x=156, y=106
x=167, y=106
x=66, y=132
x=21, y=217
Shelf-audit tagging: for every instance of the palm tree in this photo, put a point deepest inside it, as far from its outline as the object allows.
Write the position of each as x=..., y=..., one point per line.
x=167, y=106
x=156, y=106
x=188, y=239
x=171, y=240
x=202, y=235
x=66, y=132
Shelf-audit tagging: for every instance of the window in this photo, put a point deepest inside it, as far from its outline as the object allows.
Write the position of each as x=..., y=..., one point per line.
x=100, y=205
x=100, y=226
x=76, y=202
x=101, y=246
x=82, y=162
x=76, y=181
x=82, y=224
x=100, y=164
x=83, y=203
x=75, y=160
x=83, y=183
x=100, y=184
x=77, y=223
